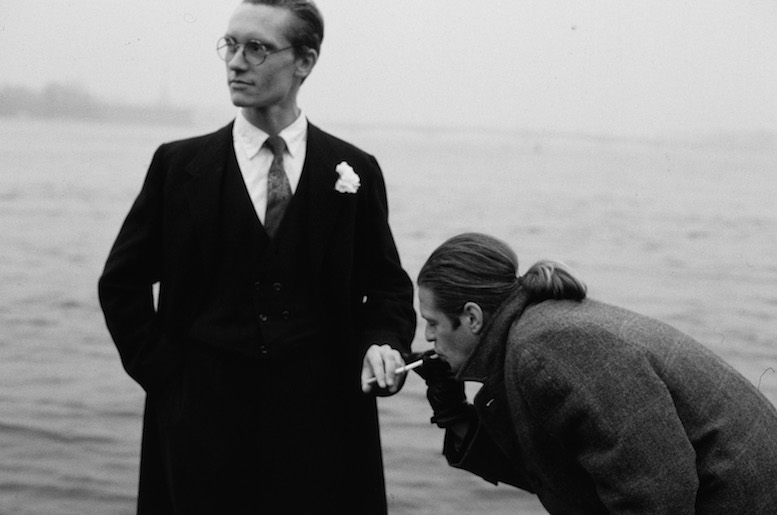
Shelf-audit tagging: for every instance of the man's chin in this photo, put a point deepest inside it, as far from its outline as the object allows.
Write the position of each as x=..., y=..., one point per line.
x=240, y=100
x=243, y=99
x=455, y=366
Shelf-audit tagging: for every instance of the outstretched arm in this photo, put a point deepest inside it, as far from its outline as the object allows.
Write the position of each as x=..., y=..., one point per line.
x=467, y=444
x=386, y=319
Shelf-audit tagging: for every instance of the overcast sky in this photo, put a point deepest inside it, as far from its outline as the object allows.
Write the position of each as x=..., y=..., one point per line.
x=644, y=68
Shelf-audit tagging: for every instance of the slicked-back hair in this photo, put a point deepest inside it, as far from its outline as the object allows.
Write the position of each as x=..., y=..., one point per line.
x=475, y=267
x=308, y=32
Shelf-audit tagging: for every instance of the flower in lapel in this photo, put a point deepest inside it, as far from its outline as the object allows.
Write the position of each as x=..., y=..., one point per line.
x=349, y=181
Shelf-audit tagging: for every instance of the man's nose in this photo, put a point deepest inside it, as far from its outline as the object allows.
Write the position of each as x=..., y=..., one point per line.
x=428, y=335
x=238, y=61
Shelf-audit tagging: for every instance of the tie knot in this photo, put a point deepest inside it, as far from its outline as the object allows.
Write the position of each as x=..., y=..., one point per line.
x=276, y=144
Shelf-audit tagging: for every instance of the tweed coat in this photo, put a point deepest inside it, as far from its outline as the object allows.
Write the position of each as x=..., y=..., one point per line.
x=597, y=409
x=237, y=419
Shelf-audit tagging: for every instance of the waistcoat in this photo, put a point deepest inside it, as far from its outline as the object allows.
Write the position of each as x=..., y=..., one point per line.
x=260, y=297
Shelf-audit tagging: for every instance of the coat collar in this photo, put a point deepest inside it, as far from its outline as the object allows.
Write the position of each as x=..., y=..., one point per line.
x=487, y=360
x=208, y=162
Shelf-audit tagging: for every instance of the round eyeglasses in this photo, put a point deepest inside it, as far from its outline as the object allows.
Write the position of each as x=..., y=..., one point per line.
x=254, y=52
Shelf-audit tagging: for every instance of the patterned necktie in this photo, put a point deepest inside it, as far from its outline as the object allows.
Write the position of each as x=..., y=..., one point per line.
x=278, y=187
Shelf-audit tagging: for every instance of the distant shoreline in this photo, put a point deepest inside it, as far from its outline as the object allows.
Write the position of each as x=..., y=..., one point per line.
x=110, y=113
x=73, y=102
x=60, y=101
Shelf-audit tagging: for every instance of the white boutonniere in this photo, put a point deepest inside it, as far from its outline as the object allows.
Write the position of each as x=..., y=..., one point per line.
x=349, y=181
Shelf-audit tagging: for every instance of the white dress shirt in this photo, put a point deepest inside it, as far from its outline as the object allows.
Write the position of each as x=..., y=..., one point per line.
x=254, y=159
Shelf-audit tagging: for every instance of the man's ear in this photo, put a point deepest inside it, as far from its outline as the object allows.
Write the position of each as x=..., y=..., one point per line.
x=305, y=62
x=472, y=317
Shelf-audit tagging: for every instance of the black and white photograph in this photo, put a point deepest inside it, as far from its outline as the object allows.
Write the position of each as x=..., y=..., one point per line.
x=411, y=257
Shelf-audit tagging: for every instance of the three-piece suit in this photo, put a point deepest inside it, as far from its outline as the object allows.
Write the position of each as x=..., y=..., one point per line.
x=251, y=355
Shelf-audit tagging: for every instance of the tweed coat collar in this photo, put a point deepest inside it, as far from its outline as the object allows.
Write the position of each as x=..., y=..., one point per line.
x=487, y=360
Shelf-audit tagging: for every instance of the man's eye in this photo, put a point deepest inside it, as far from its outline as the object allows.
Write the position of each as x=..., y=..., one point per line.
x=255, y=47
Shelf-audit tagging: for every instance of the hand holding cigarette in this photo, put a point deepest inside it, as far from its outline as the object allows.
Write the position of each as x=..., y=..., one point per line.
x=383, y=367
x=401, y=370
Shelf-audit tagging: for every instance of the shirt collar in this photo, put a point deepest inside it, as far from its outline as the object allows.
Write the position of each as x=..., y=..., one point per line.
x=252, y=138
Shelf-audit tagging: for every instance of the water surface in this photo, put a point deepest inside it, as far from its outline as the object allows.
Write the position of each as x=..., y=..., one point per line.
x=685, y=233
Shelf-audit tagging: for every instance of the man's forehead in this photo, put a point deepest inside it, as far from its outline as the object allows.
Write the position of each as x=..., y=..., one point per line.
x=426, y=302
x=265, y=23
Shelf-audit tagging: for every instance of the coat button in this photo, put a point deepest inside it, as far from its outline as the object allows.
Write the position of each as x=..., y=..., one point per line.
x=263, y=350
x=285, y=315
x=257, y=285
x=263, y=317
x=277, y=286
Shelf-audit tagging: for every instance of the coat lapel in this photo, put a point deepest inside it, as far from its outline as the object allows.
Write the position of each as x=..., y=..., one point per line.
x=204, y=179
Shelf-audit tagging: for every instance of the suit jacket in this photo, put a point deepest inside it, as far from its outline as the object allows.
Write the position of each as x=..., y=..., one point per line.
x=601, y=410
x=202, y=374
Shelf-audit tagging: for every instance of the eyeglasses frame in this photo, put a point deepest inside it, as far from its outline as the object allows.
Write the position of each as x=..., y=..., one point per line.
x=240, y=48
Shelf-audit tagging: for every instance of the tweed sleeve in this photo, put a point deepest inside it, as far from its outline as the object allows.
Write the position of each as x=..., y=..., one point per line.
x=478, y=453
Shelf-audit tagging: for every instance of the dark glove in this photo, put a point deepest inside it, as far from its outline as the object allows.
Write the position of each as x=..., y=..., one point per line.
x=445, y=395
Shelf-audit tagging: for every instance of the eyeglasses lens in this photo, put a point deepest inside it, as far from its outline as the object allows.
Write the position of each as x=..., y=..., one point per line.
x=253, y=51
x=225, y=49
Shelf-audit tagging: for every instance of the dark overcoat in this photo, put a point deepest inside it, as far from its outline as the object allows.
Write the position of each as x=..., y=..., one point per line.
x=597, y=409
x=251, y=355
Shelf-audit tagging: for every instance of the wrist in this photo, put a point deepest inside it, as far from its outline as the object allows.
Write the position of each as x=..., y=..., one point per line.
x=461, y=413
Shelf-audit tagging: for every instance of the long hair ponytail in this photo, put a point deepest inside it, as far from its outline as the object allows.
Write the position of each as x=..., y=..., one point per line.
x=474, y=267
x=547, y=279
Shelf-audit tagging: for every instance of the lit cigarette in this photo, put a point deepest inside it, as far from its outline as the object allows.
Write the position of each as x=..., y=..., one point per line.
x=402, y=370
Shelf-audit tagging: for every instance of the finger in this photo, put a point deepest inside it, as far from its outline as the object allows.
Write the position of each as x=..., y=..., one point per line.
x=370, y=373
x=399, y=380
x=387, y=364
x=374, y=360
x=366, y=376
x=392, y=360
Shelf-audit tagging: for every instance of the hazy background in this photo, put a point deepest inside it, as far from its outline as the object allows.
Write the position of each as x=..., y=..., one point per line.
x=652, y=69
x=592, y=101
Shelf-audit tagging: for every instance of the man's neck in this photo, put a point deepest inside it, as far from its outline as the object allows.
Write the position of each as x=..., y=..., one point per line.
x=272, y=120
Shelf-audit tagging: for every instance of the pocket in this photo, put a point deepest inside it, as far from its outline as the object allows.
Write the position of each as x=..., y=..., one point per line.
x=156, y=362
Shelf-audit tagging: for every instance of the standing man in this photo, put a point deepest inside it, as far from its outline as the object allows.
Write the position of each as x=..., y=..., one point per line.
x=281, y=294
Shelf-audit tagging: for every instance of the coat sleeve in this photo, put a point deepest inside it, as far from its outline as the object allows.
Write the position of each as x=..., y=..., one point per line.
x=126, y=285
x=603, y=404
x=478, y=454
x=386, y=313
